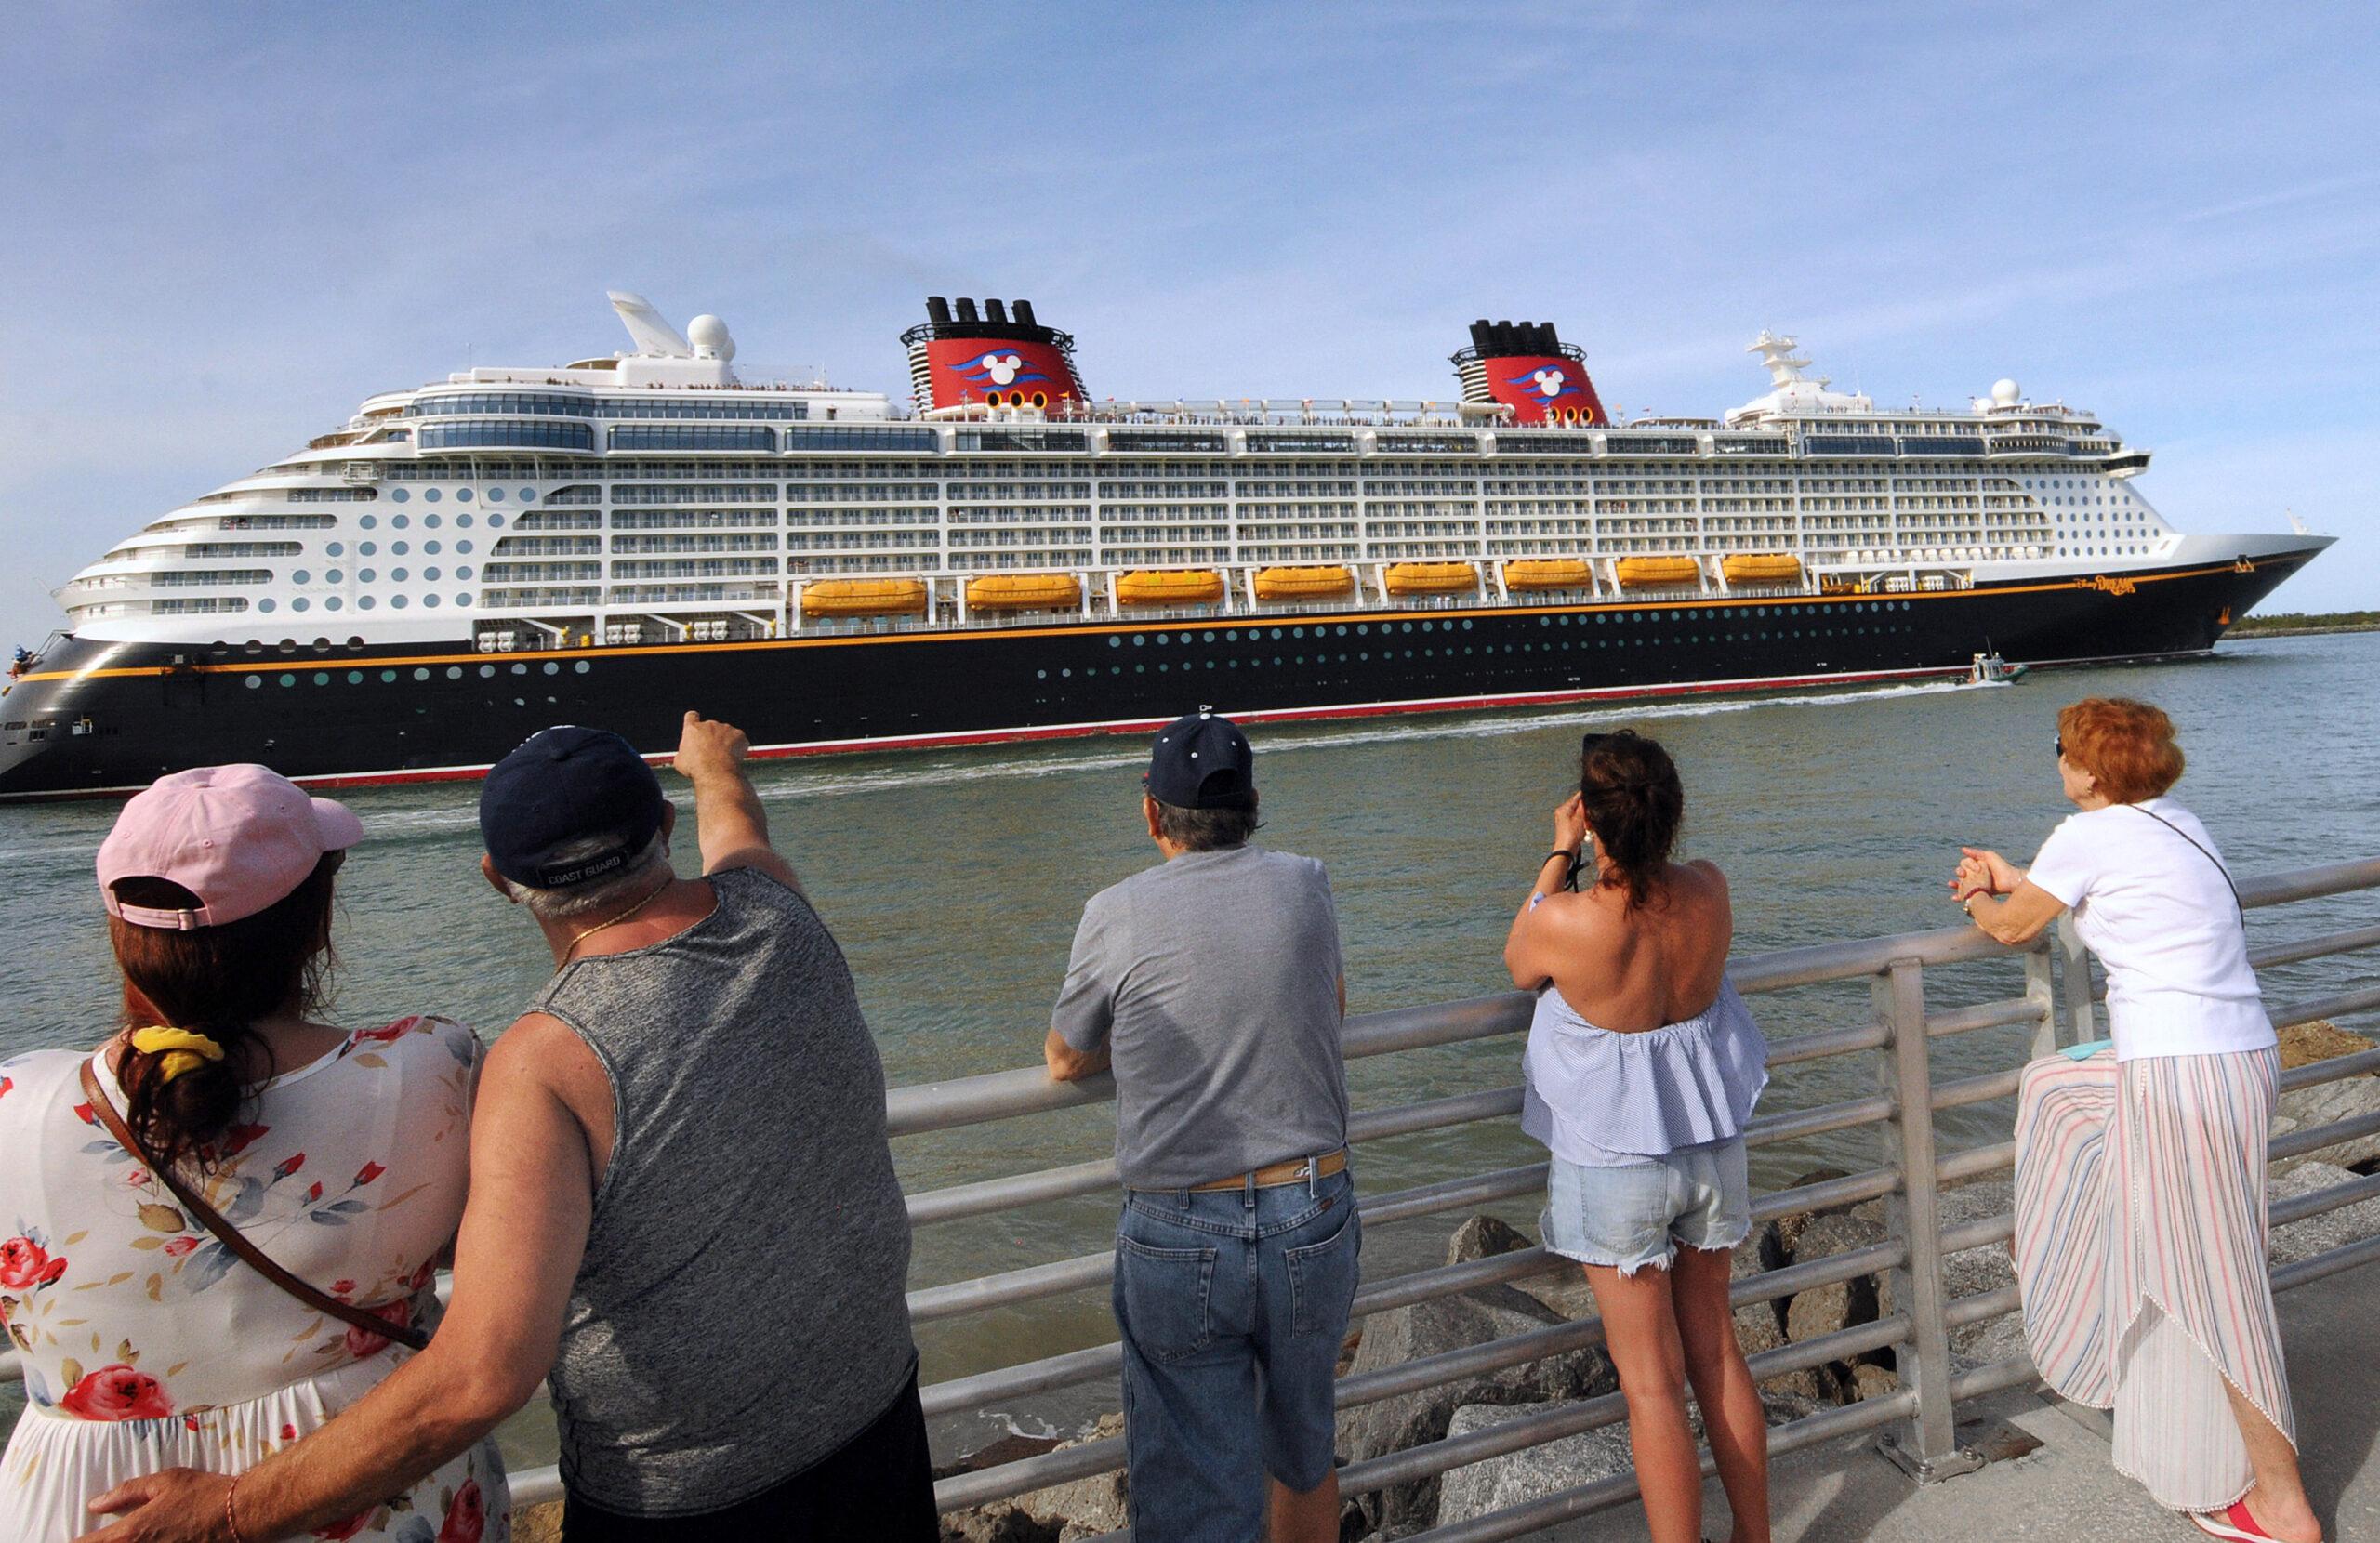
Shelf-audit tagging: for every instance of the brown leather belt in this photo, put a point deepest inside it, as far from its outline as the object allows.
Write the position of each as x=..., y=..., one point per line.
x=1294, y=1170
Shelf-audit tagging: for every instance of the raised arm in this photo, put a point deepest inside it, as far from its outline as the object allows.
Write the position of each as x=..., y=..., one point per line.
x=729, y=823
x=1530, y=945
x=524, y=1230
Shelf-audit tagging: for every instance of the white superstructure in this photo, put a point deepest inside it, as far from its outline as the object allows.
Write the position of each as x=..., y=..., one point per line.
x=660, y=494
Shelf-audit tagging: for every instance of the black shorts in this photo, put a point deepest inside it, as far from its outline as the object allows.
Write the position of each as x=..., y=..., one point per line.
x=877, y=1485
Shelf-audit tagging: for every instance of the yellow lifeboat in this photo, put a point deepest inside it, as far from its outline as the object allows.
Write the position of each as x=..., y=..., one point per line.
x=1302, y=583
x=1763, y=568
x=1023, y=592
x=1431, y=578
x=1658, y=573
x=864, y=598
x=1550, y=572
x=1169, y=586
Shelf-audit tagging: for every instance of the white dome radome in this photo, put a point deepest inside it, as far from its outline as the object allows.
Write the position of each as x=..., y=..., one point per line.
x=2005, y=392
x=708, y=335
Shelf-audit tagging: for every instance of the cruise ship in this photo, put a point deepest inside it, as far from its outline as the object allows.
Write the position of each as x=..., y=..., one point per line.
x=1004, y=556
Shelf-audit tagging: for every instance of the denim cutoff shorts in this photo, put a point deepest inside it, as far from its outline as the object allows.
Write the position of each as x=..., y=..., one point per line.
x=1232, y=1304
x=1641, y=1213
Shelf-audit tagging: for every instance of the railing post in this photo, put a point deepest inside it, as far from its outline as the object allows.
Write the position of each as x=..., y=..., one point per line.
x=2076, y=1025
x=2041, y=990
x=1913, y=1214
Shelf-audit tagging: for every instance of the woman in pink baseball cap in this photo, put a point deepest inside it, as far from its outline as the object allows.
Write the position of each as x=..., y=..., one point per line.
x=222, y=1228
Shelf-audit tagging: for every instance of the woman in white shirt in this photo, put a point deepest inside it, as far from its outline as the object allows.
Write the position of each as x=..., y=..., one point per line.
x=2140, y=1163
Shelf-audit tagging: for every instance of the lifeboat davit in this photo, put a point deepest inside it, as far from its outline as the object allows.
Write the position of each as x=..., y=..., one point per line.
x=864, y=598
x=1169, y=586
x=1319, y=582
x=1431, y=578
x=1548, y=572
x=1763, y=568
x=1023, y=592
x=1659, y=572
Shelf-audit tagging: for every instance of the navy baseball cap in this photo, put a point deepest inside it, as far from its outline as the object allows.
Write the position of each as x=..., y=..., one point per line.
x=1201, y=761
x=562, y=786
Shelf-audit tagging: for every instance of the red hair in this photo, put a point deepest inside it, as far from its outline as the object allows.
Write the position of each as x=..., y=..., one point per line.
x=2127, y=746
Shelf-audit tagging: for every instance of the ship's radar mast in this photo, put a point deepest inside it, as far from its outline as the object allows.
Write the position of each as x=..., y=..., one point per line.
x=1777, y=356
x=655, y=339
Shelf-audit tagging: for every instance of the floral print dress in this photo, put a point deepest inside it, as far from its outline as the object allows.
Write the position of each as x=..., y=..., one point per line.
x=146, y=1344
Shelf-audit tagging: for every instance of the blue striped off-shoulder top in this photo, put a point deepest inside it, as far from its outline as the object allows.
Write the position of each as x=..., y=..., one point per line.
x=1605, y=1099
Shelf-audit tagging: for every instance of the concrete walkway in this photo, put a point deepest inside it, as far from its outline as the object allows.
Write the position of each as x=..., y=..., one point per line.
x=2064, y=1490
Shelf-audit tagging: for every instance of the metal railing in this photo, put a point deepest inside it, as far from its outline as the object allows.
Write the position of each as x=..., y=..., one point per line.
x=2056, y=1002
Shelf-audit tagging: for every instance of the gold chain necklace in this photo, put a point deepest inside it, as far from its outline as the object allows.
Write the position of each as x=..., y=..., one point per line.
x=604, y=926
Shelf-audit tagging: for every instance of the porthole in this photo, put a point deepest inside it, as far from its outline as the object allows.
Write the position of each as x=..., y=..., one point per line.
x=430, y=600
x=496, y=520
x=430, y=575
x=355, y=677
x=487, y=671
x=253, y=681
x=365, y=602
x=422, y=673
x=1140, y=639
x=300, y=603
x=527, y=496
x=520, y=669
x=335, y=549
x=462, y=496
x=463, y=520
x=399, y=496
x=399, y=549
x=1114, y=640
x=1162, y=639
x=430, y=549
x=288, y=679
x=369, y=548
x=552, y=668
x=581, y=667
x=302, y=576
x=266, y=605
x=494, y=495
x=332, y=603
x=462, y=599
x=322, y=679
x=430, y=496
x=397, y=574
x=463, y=572
x=462, y=548
x=397, y=601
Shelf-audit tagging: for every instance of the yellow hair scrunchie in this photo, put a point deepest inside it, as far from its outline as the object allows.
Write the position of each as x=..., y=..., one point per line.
x=182, y=1050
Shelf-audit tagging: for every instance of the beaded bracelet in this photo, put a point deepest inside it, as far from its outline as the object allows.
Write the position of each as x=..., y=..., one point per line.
x=230, y=1520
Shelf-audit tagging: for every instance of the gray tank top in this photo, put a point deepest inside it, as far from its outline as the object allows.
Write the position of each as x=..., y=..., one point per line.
x=740, y=1312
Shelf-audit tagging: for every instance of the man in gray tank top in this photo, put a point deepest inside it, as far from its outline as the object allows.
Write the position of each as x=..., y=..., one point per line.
x=1212, y=982
x=683, y=1217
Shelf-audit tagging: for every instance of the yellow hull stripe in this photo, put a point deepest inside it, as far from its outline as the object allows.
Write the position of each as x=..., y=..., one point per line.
x=2118, y=585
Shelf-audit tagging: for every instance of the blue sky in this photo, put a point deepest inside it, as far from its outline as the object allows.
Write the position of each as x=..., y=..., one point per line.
x=227, y=225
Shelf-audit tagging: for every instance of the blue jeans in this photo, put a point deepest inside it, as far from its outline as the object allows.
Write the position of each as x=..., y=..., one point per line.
x=1232, y=1304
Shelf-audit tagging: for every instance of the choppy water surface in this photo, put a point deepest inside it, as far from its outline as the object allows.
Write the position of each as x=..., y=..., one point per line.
x=954, y=882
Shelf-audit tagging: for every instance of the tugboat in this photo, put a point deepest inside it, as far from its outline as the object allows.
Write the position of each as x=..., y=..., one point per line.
x=1989, y=669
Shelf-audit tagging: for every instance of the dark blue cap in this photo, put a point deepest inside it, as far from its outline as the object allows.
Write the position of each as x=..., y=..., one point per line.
x=563, y=786
x=1201, y=761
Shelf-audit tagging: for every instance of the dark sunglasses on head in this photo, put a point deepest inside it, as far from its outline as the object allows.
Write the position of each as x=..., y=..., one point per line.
x=2061, y=747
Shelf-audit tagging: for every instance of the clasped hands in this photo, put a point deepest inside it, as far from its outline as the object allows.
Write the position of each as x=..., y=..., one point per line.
x=1983, y=872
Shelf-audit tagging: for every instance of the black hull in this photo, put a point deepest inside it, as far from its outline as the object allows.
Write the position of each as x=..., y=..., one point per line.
x=100, y=717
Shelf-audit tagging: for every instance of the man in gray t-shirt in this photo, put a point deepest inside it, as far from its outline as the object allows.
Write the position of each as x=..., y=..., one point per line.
x=1212, y=985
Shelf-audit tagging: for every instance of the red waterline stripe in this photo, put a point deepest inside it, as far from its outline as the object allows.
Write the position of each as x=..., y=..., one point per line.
x=1275, y=714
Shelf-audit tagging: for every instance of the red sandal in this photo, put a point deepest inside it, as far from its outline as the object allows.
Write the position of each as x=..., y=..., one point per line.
x=2234, y=1522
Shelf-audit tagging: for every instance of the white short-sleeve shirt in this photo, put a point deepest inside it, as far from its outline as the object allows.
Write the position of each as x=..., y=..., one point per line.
x=2159, y=914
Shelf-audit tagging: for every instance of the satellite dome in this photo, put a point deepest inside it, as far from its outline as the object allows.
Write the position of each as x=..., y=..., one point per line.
x=2005, y=392
x=708, y=335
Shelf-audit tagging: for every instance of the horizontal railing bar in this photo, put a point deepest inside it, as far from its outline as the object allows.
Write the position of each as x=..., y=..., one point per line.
x=2298, y=1207
x=1826, y=1195
x=2299, y=950
x=1987, y=1015
x=2298, y=1143
x=2330, y=879
x=2323, y=1266
x=1495, y=1440
x=1959, y=1093
x=1814, y=1122
x=1603, y=1494
x=1448, y=1193
x=1975, y=1162
x=1874, y=1034
x=2338, y=1068
x=1981, y=1308
x=1980, y=1233
x=534, y=1486
x=2319, y=1008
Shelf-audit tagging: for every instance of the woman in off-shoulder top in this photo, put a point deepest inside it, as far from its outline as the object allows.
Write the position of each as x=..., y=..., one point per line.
x=1642, y=1070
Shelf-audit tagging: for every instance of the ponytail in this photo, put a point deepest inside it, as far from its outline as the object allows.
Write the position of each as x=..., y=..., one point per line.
x=1635, y=804
x=192, y=997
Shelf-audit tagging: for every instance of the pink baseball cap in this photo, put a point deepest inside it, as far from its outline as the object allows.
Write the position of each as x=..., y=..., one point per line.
x=239, y=837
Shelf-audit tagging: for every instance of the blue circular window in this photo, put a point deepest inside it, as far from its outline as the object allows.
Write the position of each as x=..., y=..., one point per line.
x=398, y=522
x=486, y=671
x=462, y=496
x=400, y=549
x=463, y=572
x=321, y=677
x=552, y=668
x=431, y=547
x=399, y=496
x=300, y=576
x=496, y=496
x=430, y=600
x=430, y=575
x=299, y=604
x=463, y=520
x=254, y=681
x=528, y=494
x=462, y=545
x=366, y=574
x=398, y=601
x=332, y=603
x=398, y=574
x=365, y=603
x=462, y=599
x=496, y=520
x=288, y=679
x=331, y=576
x=368, y=548
x=454, y=672
x=335, y=549
x=431, y=495
x=421, y=675
x=369, y=521
x=582, y=667
x=355, y=677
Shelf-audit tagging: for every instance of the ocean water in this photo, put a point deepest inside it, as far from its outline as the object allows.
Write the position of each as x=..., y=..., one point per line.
x=954, y=881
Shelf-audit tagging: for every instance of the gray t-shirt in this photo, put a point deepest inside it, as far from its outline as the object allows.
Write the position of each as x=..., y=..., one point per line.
x=1214, y=979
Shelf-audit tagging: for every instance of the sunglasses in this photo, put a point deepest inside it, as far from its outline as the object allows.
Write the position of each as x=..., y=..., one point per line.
x=2061, y=747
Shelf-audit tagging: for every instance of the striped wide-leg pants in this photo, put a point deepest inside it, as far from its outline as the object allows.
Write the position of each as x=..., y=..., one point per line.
x=2141, y=1256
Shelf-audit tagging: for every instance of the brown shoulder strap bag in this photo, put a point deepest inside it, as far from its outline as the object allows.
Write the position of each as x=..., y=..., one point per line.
x=230, y=1237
